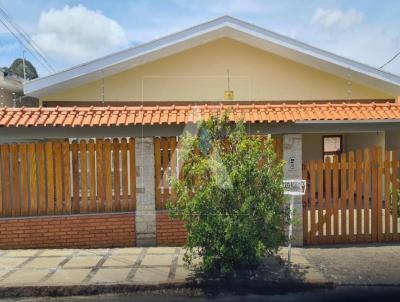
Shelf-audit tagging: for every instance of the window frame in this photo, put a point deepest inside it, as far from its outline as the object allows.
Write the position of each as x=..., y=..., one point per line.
x=331, y=152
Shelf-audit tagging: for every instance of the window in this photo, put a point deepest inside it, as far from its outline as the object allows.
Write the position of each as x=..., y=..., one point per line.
x=332, y=145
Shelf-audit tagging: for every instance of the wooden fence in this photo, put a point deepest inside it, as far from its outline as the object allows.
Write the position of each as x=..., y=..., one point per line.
x=166, y=154
x=352, y=198
x=62, y=178
x=166, y=168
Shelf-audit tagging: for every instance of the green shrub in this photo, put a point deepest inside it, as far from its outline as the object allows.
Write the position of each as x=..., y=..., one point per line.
x=230, y=197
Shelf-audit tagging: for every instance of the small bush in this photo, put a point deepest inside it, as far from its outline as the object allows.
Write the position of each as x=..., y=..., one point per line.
x=230, y=197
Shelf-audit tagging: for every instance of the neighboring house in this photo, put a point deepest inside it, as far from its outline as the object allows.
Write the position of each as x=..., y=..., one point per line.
x=316, y=103
x=12, y=92
x=10, y=89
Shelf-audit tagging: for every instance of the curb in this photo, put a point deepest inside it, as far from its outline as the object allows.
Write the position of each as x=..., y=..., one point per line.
x=210, y=287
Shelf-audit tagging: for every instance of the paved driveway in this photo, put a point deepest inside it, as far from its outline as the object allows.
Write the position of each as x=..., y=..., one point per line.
x=361, y=264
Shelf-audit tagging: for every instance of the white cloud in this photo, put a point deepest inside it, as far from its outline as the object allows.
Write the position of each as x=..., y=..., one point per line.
x=336, y=18
x=76, y=34
x=237, y=6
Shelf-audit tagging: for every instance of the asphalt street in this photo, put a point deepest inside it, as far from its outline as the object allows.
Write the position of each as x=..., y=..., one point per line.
x=341, y=294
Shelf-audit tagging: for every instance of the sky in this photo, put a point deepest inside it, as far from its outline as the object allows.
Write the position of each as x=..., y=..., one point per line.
x=73, y=32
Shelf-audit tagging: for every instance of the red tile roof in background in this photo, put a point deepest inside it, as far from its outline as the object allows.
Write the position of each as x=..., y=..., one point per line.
x=177, y=114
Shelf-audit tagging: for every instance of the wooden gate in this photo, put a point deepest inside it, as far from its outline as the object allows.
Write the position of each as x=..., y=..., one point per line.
x=353, y=198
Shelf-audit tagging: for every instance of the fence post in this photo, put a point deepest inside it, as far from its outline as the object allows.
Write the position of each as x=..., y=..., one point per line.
x=292, y=155
x=145, y=188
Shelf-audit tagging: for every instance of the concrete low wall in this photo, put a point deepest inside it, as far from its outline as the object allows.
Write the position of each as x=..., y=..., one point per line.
x=73, y=231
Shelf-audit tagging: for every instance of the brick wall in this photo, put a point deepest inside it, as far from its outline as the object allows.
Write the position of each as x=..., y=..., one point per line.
x=170, y=232
x=78, y=231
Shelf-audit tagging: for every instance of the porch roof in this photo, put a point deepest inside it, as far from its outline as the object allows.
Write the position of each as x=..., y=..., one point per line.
x=181, y=114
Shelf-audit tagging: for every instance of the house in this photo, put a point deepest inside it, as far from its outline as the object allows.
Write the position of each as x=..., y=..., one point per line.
x=316, y=103
x=10, y=88
x=12, y=92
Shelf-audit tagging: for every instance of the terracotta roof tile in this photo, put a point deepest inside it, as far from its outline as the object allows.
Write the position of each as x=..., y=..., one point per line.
x=177, y=114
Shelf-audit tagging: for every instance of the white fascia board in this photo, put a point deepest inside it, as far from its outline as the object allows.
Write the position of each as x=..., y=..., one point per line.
x=222, y=27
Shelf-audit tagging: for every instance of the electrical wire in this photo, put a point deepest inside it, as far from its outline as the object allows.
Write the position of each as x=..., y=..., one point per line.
x=391, y=60
x=24, y=39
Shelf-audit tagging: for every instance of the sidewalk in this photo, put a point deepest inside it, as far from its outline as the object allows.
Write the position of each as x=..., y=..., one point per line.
x=61, y=272
x=86, y=266
x=84, y=271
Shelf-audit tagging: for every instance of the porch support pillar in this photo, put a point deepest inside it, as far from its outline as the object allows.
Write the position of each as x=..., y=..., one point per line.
x=292, y=155
x=145, y=188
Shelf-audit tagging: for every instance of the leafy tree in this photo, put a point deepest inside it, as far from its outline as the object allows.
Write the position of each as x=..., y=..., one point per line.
x=230, y=197
x=17, y=68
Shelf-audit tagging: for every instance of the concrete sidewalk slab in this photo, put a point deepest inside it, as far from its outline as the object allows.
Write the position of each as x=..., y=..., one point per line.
x=66, y=271
x=367, y=265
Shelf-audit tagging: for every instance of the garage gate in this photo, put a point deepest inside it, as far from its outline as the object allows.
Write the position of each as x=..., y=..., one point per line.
x=352, y=198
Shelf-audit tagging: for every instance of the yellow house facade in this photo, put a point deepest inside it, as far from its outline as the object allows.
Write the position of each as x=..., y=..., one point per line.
x=200, y=74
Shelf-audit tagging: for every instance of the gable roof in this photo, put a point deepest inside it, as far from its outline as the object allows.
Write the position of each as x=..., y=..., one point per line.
x=225, y=26
x=183, y=114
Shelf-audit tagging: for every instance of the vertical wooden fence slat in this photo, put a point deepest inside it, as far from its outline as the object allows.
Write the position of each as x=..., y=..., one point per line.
x=165, y=178
x=343, y=197
x=379, y=194
x=313, y=222
x=100, y=176
x=132, y=173
x=67, y=177
x=320, y=172
x=387, y=236
x=395, y=188
x=108, y=174
x=32, y=180
x=367, y=194
x=157, y=164
x=374, y=209
x=328, y=200
x=359, y=185
x=173, y=164
x=125, y=181
x=5, y=157
x=335, y=187
x=278, y=146
x=40, y=149
x=50, y=178
x=93, y=207
x=24, y=181
x=306, y=231
x=84, y=178
x=75, y=177
x=58, y=177
x=16, y=208
x=351, y=196
x=117, y=188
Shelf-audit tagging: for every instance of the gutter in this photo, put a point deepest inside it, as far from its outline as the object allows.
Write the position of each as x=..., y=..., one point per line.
x=314, y=122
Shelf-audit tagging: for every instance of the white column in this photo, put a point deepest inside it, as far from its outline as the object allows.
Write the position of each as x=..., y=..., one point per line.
x=292, y=155
x=146, y=202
